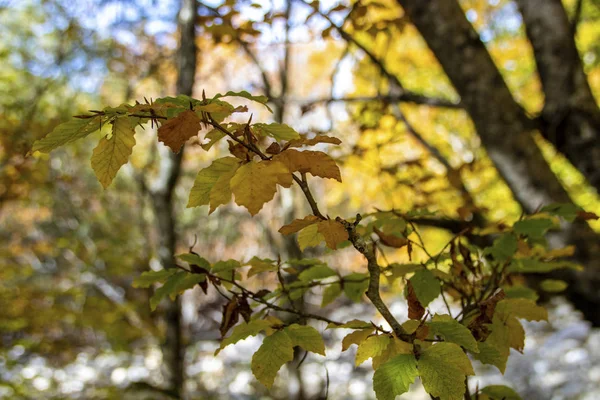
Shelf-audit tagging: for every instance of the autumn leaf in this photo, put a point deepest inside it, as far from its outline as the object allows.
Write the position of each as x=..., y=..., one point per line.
x=391, y=240
x=68, y=132
x=309, y=237
x=303, y=141
x=275, y=351
x=209, y=180
x=316, y=163
x=176, y=131
x=394, y=377
x=415, y=309
x=255, y=183
x=298, y=224
x=111, y=153
x=443, y=368
x=333, y=232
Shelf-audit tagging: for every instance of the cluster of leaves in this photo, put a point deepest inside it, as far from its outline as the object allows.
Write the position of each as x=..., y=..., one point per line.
x=480, y=269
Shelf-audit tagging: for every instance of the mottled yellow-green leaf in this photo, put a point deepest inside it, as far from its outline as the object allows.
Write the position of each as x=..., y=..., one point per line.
x=315, y=272
x=496, y=348
x=371, y=347
x=259, y=99
x=68, y=132
x=516, y=334
x=170, y=286
x=243, y=331
x=553, y=285
x=194, y=259
x=260, y=265
x=307, y=337
x=276, y=131
x=453, y=331
x=114, y=151
x=255, y=183
x=395, y=377
x=221, y=191
x=521, y=308
x=355, y=285
x=500, y=392
x=310, y=237
x=395, y=347
x=148, y=278
x=443, y=368
x=333, y=232
x=330, y=293
x=355, y=337
x=275, y=351
x=426, y=286
x=207, y=179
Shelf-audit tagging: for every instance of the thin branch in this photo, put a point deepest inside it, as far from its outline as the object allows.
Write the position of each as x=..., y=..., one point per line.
x=403, y=97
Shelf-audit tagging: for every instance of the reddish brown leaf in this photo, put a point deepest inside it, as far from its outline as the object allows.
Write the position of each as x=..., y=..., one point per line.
x=298, y=224
x=586, y=216
x=391, y=240
x=175, y=132
x=415, y=309
x=230, y=316
x=274, y=148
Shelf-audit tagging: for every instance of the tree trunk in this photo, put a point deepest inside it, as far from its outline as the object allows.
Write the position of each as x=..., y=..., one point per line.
x=162, y=193
x=570, y=119
x=505, y=131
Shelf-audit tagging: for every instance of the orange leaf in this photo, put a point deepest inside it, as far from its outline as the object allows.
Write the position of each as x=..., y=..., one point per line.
x=175, y=132
x=298, y=224
x=316, y=163
x=333, y=232
x=390, y=240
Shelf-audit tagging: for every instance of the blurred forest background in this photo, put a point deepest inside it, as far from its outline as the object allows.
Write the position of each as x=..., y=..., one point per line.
x=417, y=133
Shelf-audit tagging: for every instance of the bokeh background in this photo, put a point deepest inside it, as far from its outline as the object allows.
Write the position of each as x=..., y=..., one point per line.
x=71, y=324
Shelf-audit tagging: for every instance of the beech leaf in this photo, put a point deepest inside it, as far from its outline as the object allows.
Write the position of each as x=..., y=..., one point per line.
x=176, y=131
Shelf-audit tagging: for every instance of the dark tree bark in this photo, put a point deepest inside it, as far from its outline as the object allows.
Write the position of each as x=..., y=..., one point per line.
x=162, y=192
x=505, y=132
x=570, y=118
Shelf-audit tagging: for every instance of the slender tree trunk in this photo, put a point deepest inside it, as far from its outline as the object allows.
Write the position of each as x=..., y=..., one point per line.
x=162, y=200
x=505, y=132
x=570, y=119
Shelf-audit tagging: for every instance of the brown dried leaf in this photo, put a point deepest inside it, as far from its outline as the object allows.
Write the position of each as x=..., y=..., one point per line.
x=415, y=309
x=298, y=224
x=175, y=132
x=391, y=240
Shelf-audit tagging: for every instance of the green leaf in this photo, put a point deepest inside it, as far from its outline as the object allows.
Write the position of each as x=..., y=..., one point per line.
x=496, y=348
x=395, y=377
x=519, y=291
x=67, y=132
x=532, y=265
x=566, y=210
x=194, y=259
x=207, y=179
x=453, y=331
x=355, y=337
x=504, y=247
x=276, y=131
x=112, y=153
x=260, y=265
x=521, y=308
x=426, y=286
x=225, y=266
x=500, y=392
x=443, y=368
x=259, y=99
x=169, y=287
x=317, y=272
x=355, y=285
x=306, y=337
x=275, y=351
x=310, y=237
x=353, y=324
x=243, y=331
x=534, y=228
x=148, y=278
x=371, y=347
x=553, y=285
x=330, y=293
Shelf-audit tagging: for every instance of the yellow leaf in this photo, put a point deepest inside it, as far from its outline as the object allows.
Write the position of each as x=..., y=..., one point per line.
x=309, y=237
x=175, y=132
x=355, y=338
x=303, y=141
x=255, y=183
x=316, y=163
x=298, y=224
x=111, y=153
x=207, y=180
x=372, y=346
x=333, y=232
